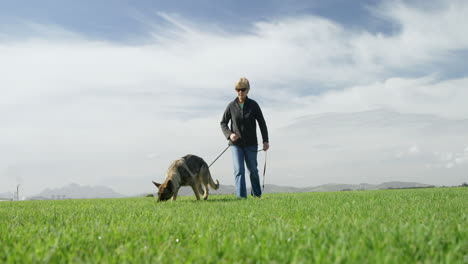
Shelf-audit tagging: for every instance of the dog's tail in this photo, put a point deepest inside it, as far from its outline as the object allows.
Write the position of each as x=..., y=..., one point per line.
x=212, y=184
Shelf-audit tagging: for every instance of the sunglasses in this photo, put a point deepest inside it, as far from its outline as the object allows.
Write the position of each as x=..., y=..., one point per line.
x=241, y=90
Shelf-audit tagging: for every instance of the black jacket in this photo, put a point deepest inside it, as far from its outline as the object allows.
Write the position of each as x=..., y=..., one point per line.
x=243, y=123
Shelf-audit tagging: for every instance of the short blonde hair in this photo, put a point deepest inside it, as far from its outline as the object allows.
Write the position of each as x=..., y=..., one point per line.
x=242, y=83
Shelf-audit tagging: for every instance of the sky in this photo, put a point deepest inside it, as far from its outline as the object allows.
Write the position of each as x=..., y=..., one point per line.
x=110, y=92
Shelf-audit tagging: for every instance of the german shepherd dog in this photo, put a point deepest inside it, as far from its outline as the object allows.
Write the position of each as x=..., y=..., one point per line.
x=189, y=170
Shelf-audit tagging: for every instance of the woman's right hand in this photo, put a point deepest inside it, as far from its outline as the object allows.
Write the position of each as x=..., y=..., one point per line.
x=234, y=137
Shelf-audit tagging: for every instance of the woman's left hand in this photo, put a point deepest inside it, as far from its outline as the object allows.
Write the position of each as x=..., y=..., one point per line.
x=266, y=146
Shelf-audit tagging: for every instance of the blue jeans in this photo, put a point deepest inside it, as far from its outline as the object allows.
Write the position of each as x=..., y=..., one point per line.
x=249, y=155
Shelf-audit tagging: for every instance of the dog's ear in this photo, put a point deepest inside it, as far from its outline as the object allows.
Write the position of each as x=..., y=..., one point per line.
x=157, y=184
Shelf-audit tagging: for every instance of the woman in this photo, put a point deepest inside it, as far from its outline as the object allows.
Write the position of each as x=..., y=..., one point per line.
x=243, y=113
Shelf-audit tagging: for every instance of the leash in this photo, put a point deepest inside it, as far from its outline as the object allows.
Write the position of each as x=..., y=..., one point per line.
x=264, y=169
x=219, y=156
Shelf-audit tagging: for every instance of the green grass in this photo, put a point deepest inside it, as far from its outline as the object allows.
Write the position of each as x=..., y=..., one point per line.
x=392, y=226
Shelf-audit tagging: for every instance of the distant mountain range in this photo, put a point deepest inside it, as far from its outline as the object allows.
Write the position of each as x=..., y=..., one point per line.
x=365, y=186
x=6, y=196
x=76, y=191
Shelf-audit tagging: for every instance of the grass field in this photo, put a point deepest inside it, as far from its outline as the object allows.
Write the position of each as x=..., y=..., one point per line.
x=387, y=226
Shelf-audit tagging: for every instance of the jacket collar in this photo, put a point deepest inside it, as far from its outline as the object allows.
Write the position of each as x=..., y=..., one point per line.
x=237, y=100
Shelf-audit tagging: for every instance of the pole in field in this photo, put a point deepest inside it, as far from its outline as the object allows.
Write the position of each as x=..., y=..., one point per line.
x=17, y=192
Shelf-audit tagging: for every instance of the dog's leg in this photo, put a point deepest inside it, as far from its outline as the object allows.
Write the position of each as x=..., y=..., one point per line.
x=196, y=191
x=200, y=188
x=203, y=192
x=205, y=195
x=204, y=174
x=174, y=197
x=195, y=187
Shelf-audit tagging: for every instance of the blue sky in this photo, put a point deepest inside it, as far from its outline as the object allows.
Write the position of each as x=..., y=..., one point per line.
x=110, y=92
x=122, y=20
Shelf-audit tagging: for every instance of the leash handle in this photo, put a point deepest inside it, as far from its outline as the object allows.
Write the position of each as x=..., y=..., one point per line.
x=264, y=170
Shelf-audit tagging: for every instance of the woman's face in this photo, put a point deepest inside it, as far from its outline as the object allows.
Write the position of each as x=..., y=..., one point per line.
x=242, y=93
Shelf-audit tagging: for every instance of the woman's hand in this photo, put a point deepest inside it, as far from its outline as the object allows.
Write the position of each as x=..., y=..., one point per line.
x=234, y=137
x=266, y=146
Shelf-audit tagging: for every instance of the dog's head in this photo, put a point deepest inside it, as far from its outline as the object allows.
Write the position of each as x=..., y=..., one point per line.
x=165, y=190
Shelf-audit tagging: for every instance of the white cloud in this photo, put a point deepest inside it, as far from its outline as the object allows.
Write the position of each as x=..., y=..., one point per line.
x=414, y=150
x=426, y=95
x=425, y=35
x=450, y=159
x=461, y=158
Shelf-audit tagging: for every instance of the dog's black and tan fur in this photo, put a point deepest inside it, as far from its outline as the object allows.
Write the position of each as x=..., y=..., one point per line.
x=191, y=171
